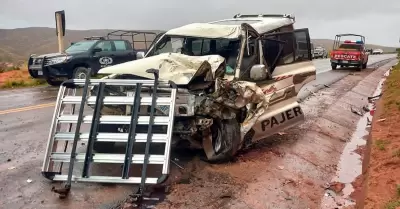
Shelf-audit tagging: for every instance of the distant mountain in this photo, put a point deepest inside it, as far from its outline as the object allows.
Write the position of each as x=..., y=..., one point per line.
x=17, y=44
x=328, y=44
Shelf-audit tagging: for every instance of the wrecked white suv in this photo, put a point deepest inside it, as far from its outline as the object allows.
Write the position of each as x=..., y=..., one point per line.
x=237, y=80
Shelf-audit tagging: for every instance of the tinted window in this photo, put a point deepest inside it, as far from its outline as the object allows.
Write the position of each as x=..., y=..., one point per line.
x=81, y=46
x=284, y=42
x=168, y=44
x=120, y=45
x=295, y=47
x=227, y=48
x=302, y=46
x=105, y=46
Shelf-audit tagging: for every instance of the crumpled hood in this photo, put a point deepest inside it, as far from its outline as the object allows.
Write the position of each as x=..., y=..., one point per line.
x=175, y=67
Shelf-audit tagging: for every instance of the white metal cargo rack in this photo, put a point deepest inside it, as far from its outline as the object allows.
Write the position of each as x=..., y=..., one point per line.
x=54, y=156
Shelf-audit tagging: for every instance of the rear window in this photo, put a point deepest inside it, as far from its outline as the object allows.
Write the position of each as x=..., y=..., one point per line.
x=350, y=47
x=120, y=45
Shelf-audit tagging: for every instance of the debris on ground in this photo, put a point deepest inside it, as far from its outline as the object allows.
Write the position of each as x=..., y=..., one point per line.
x=129, y=206
x=366, y=109
x=11, y=168
x=29, y=180
x=369, y=122
x=337, y=187
x=355, y=111
x=373, y=98
x=383, y=119
x=175, y=163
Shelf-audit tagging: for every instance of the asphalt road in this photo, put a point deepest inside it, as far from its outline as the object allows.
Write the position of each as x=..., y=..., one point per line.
x=25, y=117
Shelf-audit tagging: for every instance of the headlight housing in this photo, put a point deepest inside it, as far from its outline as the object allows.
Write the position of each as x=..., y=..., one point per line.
x=56, y=60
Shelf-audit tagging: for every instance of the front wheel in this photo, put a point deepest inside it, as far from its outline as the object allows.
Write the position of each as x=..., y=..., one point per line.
x=360, y=67
x=334, y=66
x=225, y=141
x=364, y=66
x=80, y=73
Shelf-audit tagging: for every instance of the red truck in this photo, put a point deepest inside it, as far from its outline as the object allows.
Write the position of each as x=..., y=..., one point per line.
x=349, y=53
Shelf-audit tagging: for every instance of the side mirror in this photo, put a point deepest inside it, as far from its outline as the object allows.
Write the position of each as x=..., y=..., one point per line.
x=139, y=55
x=97, y=50
x=258, y=72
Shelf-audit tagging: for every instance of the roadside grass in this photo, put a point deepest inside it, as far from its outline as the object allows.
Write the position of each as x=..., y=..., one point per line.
x=381, y=144
x=392, y=204
x=392, y=91
x=396, y=153
x=391, y=104
x=18, y=79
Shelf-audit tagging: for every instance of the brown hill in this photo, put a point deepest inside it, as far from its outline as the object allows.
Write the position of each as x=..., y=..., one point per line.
x=17, y=44
x=328, y=44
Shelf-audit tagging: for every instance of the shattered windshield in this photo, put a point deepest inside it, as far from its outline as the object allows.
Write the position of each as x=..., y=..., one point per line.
x=193, y=46
x=81, y=46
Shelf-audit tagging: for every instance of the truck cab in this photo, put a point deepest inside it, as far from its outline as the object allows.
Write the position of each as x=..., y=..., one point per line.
x=349, y=53
x=91, y=53
x=261, y=51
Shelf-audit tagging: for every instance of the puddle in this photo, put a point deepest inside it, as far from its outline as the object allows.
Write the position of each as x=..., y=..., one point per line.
x=350, y=163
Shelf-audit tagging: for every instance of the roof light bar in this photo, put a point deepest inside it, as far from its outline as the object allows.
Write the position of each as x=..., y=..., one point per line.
x=354, y=42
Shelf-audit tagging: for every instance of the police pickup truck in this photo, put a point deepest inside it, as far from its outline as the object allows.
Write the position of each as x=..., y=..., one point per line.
x=350, y=53
x=92, y=53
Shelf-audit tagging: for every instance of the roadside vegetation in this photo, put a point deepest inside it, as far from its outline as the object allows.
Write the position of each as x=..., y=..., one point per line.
x=15, y=76
x=383, y=183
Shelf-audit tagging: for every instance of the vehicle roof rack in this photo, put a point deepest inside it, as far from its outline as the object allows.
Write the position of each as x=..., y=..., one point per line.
x=349, y=34
x=94, y=38
x=129, y=33
x=265, y=15
x=132, y=34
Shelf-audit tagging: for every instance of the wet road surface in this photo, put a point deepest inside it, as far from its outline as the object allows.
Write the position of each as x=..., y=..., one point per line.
x=25, y=116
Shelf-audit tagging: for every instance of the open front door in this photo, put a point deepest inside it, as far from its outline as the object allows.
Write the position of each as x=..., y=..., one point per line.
x=289, y=60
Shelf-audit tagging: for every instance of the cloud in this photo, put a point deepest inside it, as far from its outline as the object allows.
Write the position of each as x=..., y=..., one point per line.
x=377, y=20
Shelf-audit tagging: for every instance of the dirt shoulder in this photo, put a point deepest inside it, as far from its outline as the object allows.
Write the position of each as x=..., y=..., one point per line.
x=17, y=79
x=382, y=162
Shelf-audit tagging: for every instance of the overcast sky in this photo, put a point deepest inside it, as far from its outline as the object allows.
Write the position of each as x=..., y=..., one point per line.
x=377, y=20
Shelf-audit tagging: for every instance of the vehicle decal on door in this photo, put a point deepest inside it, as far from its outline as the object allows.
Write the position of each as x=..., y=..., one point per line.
x=105, y=61
x=283, y=117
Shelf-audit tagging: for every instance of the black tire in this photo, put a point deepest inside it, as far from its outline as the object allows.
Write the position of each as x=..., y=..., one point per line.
x=359, y=68
x=364, y=66
x=53, y=82
x=105, y=147
x=334, y=66
x=80, y=73
x=226, y=140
